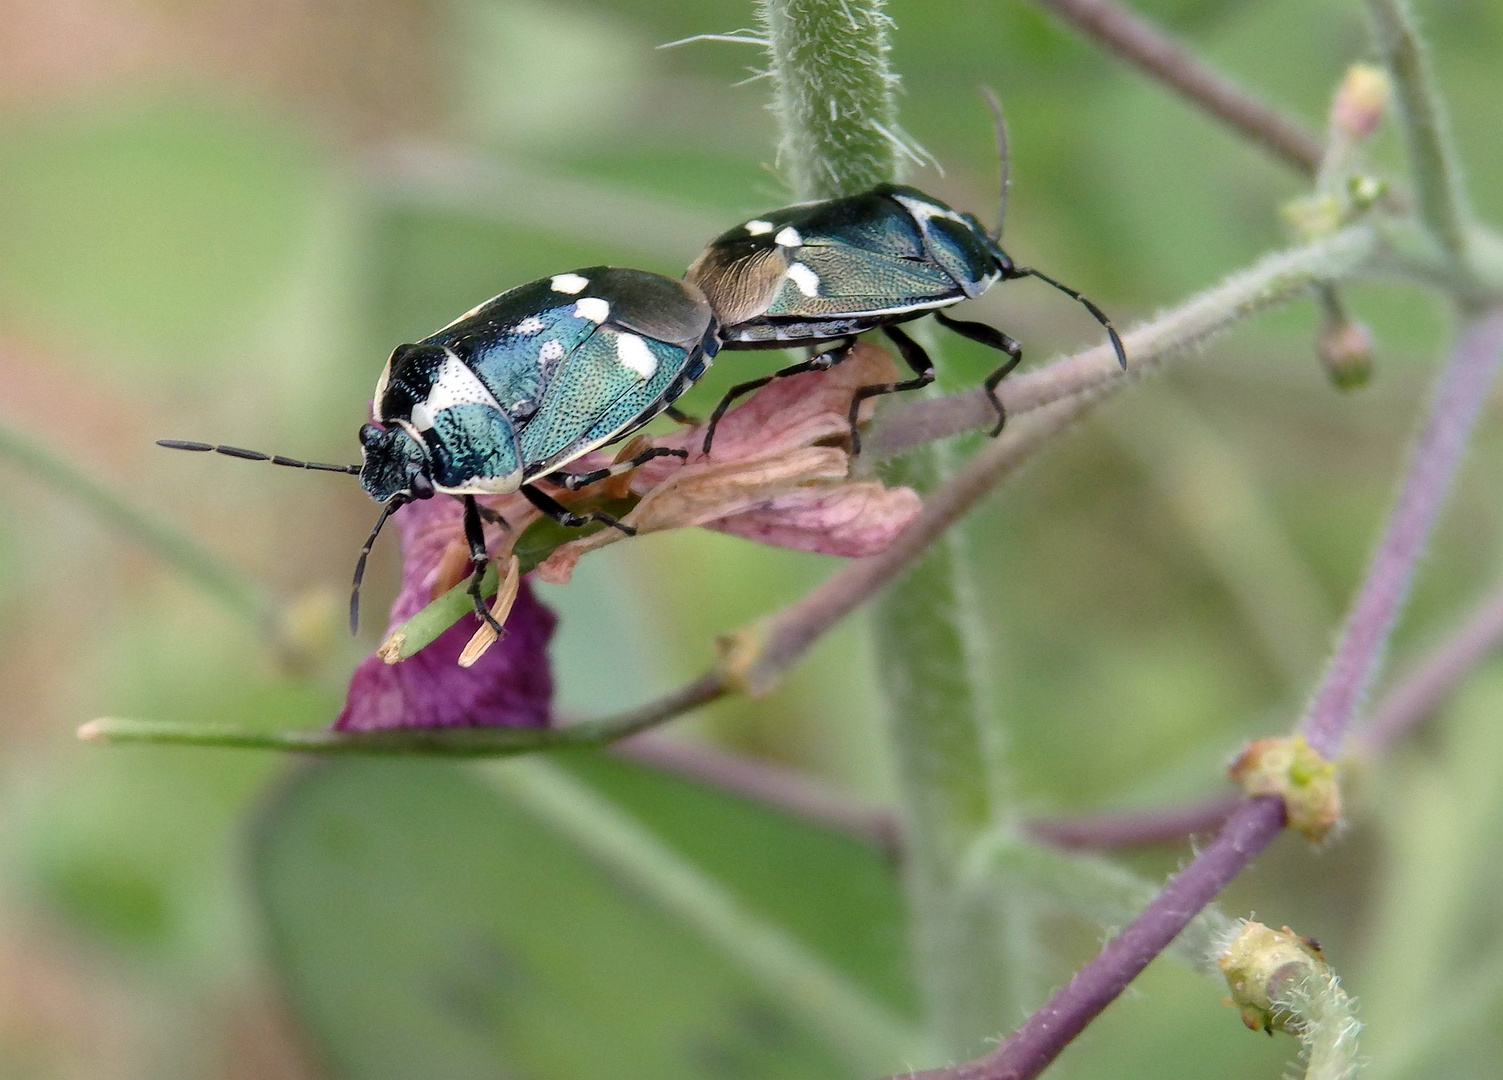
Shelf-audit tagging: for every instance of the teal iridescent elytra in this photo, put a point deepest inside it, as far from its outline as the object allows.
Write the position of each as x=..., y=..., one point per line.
x=821, y=272
x=517, y=388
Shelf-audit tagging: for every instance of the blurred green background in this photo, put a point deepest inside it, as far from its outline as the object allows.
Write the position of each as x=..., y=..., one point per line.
x=217, y=218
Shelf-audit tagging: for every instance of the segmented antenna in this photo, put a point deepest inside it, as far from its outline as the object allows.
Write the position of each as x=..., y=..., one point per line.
x=1004, y=180
x=397, y=501
x=1111, y=331
x=1004, y=164
x=256, y=455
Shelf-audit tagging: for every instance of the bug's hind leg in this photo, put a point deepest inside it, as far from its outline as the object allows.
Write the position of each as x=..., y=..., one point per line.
x=992, y=338
x=575, y=481
x=568, y=518
x=474, y=534
x=823, y=362
x=917, y=360
x=674, y=413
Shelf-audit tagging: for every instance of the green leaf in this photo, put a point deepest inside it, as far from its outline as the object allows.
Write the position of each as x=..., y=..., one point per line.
x=426, y=924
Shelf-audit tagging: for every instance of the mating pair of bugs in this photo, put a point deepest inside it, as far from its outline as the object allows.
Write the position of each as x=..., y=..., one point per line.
x=516, y=389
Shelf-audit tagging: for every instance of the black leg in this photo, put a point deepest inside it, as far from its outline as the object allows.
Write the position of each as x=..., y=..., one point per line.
x=491, y=517
x=566, y=517
x=673, y=412
x=823, y=362
x=575, y=481
x=917, y=360
x=474, y=534
x=992, y=338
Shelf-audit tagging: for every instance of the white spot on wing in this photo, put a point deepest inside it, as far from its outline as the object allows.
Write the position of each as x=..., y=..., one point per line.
x=806, y=280
x=788, y=238
x=592, y=308
x=568, y=283
x=530, y=325
x=550, y=350
x=922, y=211
x=759, y=227
x=454, y=385
x=634, y=355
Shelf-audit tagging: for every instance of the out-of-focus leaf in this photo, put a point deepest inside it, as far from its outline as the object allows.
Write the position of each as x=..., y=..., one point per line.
x=159, y=230
x=425, y=925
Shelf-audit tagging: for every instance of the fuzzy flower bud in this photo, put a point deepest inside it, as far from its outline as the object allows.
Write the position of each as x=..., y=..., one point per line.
x=1268, y=971
x=1290, y=768
x=1360, y=102
x=1345, y=347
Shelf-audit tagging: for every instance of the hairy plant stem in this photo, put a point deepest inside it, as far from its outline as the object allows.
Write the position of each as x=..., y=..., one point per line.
x=1458, y=398
x=834, y=102
x=1439, y=198
x=1276, y=278
x=833, y=94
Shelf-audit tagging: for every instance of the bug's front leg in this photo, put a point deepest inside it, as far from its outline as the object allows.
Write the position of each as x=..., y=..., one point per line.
x=992, y=338
x=474, y=534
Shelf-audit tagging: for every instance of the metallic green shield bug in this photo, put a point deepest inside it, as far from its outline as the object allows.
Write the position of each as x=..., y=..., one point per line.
x=817, y=273
x=515, y=389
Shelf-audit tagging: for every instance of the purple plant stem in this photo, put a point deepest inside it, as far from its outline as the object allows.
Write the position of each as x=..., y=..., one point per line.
x=1458, y=397
x=1030, y=1049
x=771, y=785
x=1138, y=42
x=1429, y=682
x=1133, y=828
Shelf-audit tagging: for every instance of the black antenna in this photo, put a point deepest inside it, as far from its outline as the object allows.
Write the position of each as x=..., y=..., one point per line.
x=256, y=455
x=397, y=501
x=1004, y=165
x=1111, y=331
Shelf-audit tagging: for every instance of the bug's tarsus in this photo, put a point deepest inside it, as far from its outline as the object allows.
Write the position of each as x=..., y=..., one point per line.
x=917, y=360
x=1086, y=302
x=474, y=534
x=256, y=455
x=396, y=502
x=1004, y=164
x=826, y=359
x=575, y=481
x=568, y=518
x=992, y=338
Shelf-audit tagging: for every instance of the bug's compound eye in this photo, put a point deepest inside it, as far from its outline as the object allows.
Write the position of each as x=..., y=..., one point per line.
x=422, y=487
x=370, y=434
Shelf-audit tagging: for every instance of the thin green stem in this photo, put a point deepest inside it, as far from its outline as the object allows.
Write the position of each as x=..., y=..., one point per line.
x=833, y=94
x=1439, y=196
x=834, y=102
x=435, y=742
x=238, y=593
x=866, y=1033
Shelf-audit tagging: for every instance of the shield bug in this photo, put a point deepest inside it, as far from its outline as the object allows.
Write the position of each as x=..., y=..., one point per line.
x=515, y=389
x=820, y=273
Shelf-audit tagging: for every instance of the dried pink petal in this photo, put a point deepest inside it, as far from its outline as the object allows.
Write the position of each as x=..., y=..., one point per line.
x=510, y=686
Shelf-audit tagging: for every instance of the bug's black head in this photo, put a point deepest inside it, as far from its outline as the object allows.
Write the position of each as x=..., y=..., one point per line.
x=1003, y=260
x=394, y=464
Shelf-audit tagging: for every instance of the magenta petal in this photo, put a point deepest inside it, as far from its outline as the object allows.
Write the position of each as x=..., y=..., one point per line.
x=853, y=520
x=510, y=686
